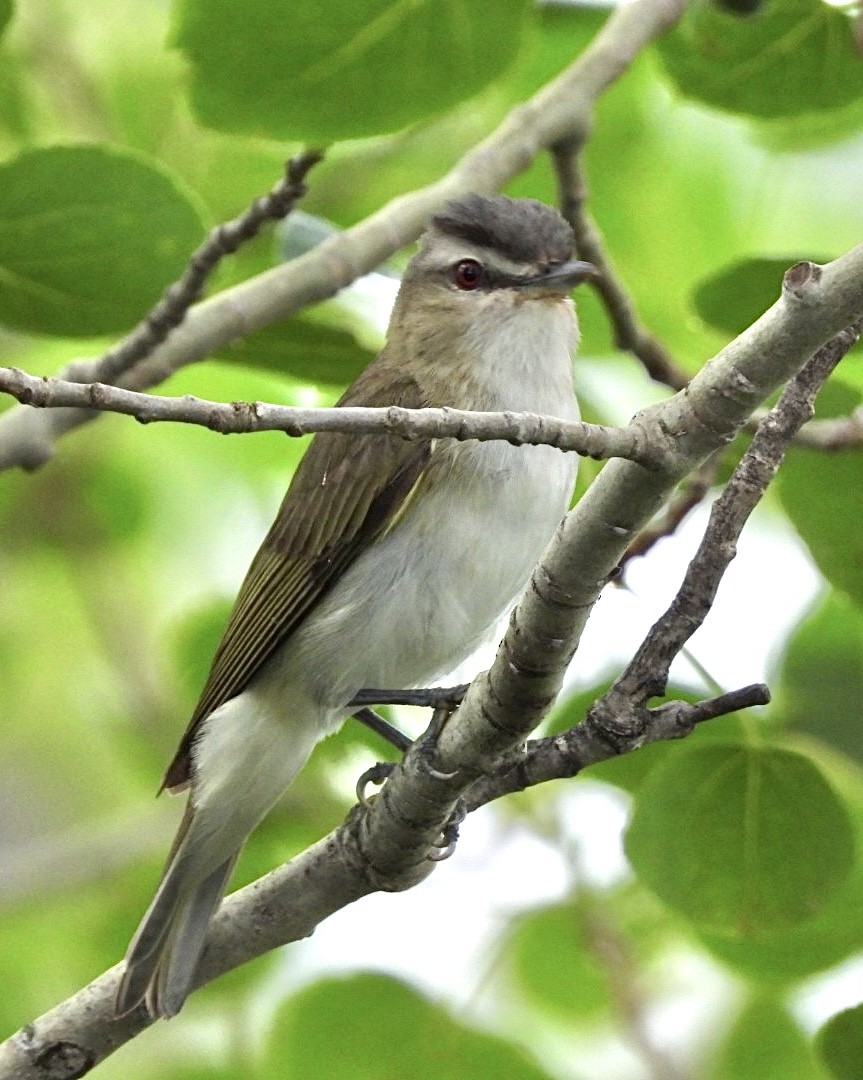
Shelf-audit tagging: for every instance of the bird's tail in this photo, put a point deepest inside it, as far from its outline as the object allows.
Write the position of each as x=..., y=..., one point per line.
x=245, y=757
x=163, y=955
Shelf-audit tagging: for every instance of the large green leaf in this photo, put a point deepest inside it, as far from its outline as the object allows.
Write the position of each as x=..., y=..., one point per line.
x=787, y=954
x=297, y=69
x=379, y=1028
x=787, y=57
x=89, y=238
x=740, y=838
x=5, y=13
x=734, y=296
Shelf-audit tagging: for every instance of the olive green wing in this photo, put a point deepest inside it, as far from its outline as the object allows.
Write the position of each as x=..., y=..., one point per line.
x=345, y=492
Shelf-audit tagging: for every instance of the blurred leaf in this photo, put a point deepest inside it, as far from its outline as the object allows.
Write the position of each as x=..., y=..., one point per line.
x=302, y=347
x=840, y=1044
x=785, y=954
x=5, y=14
x=379, y=1028
x=733, y=298
x=555, y=965
x=79, y=504
x=823, y=497
x=821, y=682
x=13, y=102
x=740, y=838
x=196, y=637
x=89, y=238
x=771, y=63
x=766, y=1043
x=343, y=71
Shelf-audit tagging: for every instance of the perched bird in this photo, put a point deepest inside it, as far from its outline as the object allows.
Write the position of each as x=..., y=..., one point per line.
x=390, y=561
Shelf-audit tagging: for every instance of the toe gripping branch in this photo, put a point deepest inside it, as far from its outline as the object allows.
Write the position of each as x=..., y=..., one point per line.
x=444, y=700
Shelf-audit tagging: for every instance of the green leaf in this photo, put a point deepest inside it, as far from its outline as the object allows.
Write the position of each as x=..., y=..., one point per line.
x=789, y=953
x=379, y=1028
x=740, y=839
x=823, y=497
x=840, y=1044
x=733, y=298
x=555, y=967
x=89, y=238
x=821, y=683
x=292, y=69
x=302, y=347
x=5, y=14
x=766, y=1043
x=772, y=63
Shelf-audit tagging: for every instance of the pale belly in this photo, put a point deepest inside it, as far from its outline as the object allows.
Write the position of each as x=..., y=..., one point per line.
x=428, y=594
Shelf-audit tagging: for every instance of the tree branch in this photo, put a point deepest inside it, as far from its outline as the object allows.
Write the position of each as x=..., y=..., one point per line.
x=620, y=720
x=560, y=111
x=172, y=309
x=590, y=440
x=629, y=332
x=383, y=845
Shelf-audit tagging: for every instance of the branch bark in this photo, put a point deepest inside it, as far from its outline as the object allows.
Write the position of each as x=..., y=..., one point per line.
x=384, y=845
x=559, y=112
x=590, y=440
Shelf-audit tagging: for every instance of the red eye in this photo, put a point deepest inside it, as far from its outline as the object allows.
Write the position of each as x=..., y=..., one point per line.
x=467, y=274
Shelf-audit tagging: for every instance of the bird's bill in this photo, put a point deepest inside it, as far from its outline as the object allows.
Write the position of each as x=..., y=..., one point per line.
x=559, y=278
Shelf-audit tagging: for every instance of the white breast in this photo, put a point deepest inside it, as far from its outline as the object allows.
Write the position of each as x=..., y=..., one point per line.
x=423, y=598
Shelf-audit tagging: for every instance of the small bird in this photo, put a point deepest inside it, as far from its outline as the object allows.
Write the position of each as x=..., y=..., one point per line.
x=390, y=561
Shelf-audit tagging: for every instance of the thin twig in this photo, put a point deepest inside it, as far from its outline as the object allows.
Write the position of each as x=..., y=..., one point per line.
x=223, y=240
x=590, y=440
x=562, y=756
x=560, y=109
x=690, y=493
x=629, y=332
x=831, y=435
x=647, y=674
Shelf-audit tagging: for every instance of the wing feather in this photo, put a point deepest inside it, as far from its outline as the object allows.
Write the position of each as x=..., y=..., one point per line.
x=346, y=491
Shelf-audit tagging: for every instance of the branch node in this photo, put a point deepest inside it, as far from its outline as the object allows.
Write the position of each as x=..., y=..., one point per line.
x=800, y=278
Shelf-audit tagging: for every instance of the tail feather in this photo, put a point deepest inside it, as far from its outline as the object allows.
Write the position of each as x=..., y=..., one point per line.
x=164, y=953
x=244, y=758
x=171, y=979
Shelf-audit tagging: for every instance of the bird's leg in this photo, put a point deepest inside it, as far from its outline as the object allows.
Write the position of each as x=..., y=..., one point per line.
x=443, y=699
x=446, y=701
x=449, y=837
x=375, y=722
x=432, y=697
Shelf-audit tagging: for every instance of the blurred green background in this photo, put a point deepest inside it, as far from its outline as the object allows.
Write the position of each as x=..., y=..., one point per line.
x=726, y=153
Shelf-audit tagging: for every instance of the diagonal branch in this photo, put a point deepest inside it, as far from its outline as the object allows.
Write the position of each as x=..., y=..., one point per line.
x=224, y=240
x=560, y=111
x=620, y=721
x=629, y=332
x=383, y=846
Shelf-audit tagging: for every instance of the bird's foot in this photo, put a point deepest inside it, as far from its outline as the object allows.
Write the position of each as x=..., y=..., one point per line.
x=432, y=697
x=379, y=772
x=446, y=844
x=445, y=701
